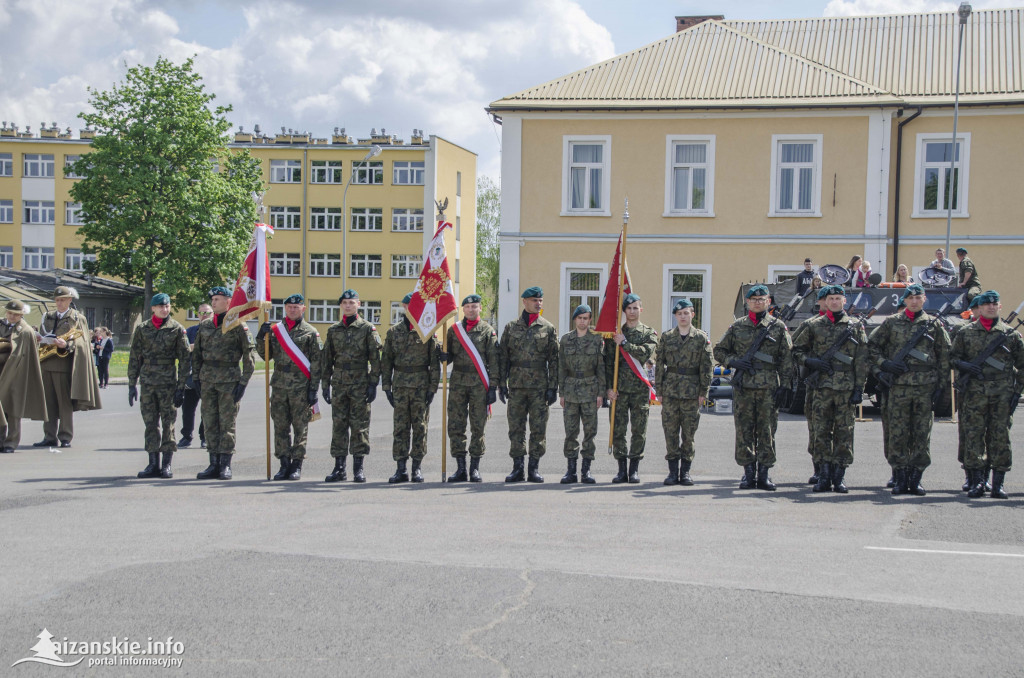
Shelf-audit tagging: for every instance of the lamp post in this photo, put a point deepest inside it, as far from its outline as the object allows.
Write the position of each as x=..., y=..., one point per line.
x=373, y=152
x=964, y=12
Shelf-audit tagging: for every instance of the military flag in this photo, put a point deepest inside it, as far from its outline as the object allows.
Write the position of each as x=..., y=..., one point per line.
x=252, y=289
x=618, y=286
x=433, y=299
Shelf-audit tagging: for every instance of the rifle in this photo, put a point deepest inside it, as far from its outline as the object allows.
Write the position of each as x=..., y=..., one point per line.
x=985, y=357
x=815, y=376
x=885, y=378
x=755, y=346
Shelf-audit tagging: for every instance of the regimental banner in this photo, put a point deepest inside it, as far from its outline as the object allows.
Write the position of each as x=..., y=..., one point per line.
x=606, y=320
x=433, y=301
x=252, y=289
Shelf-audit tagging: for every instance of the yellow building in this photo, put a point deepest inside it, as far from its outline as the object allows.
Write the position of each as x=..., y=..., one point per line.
x=745, y=146
x=345, y=214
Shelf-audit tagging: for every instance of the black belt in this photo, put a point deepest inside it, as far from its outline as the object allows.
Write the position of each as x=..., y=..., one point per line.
x=463, y=368
x=160, y=361
x=220, y=363
x=408, y=369
x=529, y=363
x=580, y=374
x=287, y=367
x=922, y=368
x=842, y=368
x=350, y=366
x=684, y=371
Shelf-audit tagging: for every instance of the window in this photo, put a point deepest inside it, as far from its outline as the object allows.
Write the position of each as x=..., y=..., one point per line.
x=583, y=286
x=325, y=265
x=7, y=256
x=285, y=171
x=406, y=265
x=368, y=173
x=408, y=172
x=779, y=274
x=287, y=218
x=285, y=263
x=407, y=220
x=37, y=258
x=365, y=266
x=73, y=213
x=367, y=219
x=39, y=212
x=325, y=172
x=586, y=175
x=397, y=312
x=6, y=211
x=73, y=259
x=689, y=282
x=68, y=161
x=325, y=219
x=38, y=165
x=323, y=311
x=796, y=176
x=370, y=310
x=276, y=310
x=6, y=165
x=689, y=178
x=935, y=182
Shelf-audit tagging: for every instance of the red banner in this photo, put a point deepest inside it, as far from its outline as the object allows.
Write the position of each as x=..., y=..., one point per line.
x=433, y=301
x=610, y=304
x=252, y=289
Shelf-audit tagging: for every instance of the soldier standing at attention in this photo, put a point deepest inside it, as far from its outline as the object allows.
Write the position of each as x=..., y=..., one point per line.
x=219, y=382
x=968, y=274
x=765, y=378
x=473, y=355
x=21, y=380
x=295, y=350
x=683, y=377
x=835, y=384
x=581, y=382
x=916, y=383
x=991, y=394
x=351, y=370
x=528, y=356
x=157, y=346
x=410, y=370
x=637, y=343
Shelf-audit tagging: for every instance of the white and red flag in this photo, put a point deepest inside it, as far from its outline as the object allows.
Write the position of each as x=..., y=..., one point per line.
x=433, y=301
x=609, y=316
x=252, y=289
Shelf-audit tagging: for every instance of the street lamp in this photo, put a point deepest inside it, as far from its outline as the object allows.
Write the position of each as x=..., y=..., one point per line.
x=373, y=152
x=964, y=12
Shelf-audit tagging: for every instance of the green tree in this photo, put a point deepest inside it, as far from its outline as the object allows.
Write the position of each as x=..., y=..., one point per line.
x=164, y=201
x=488, y=225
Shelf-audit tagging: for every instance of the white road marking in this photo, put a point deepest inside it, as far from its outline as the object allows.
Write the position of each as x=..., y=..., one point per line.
x=955, y=553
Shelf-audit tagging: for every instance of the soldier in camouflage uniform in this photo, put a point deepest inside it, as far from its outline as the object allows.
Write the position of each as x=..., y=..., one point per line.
x=683, y=377
x=410, y=370
x=219, y=382
x=631, y=394
x=991, y=394
x=968, y=274
x=766, y=378
x=834, y=386
x=468, y=396
x=581, y=382
x=292, y=393
x=156, y=346
x=916, y=384
x=351, y=370
x=528, y=356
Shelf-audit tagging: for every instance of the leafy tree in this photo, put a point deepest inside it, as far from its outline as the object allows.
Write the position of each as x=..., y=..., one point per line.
x=488, y=225
x=164, y=201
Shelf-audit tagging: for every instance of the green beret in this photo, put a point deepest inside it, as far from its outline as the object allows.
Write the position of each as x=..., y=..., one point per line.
x=221, y=290
x=407, y=298
x=472, y=299
x=831, y=289
x=629, y=299
x=348, y=294
x=681, y=304
x=988, y=297
x=580, y=310
x=912, y=291
x=534, y=291
x=159, y=299
x=758, y=291
x=295, y=299
x=961, y=250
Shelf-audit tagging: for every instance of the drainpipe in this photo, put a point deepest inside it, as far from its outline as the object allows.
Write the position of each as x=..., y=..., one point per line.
x=304, y=219
x=899, y=176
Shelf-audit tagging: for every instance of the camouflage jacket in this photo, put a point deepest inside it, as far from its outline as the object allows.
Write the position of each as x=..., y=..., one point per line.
x=485, y=339
x=684, y=364
x=929, y=366
x=1001, y=373
x=408, y=362
x=215, y=355
x=642, y=344
x=774, y=366
x=528, y=355
x=154, y=352
x=581, y=375
x=287, y=374
x=351, y=358
x=967, y=266
x=816, y=335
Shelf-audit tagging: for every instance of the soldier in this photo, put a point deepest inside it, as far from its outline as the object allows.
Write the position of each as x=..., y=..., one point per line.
x=295, y=350
x=683, y=377
x=760, y=380
x=581, y=381
x=351, y=370
x=188, y=409
x=156, y=346
x=410, y=370
x=21, y=379
x=528, y=355
x=990, y=395
x=968, y=274
x=473, y=355
x=219, y=382
x=833, y=347
x=637, y=344
x=917, y=382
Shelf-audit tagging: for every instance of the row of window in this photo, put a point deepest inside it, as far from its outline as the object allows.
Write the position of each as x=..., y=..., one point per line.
x=585, y=285
x=403, y=219
x=39, y=165
x=360, y=265
x=41, y=212
x=403, y=172
x=41, y=258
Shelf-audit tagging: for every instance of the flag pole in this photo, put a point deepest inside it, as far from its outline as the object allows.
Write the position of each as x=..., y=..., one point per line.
x=266, y=385
x=444, y=403
x=618, y=325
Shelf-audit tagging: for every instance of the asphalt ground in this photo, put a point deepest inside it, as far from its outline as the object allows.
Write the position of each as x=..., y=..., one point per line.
x=306, y=578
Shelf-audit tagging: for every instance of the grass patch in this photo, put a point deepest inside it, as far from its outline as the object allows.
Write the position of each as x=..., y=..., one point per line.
x=119, y=364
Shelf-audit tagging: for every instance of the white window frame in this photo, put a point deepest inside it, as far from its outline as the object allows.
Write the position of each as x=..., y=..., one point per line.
x=39, y=212
x=370, y=265
x=73, y=259
x=709, y=175
x=7, y=256
x=285, y=264
x=776, y=270
x=37, y=258
x=325, y=171
x=370, y=310
x=6, y=164
x=6, y=211
x=368, y=173
x=408, y=172
x=406, y=265
x=964, y=165
x=286, y=171
x=276, y=310
x=776, y=170
x=606, y=175
x=325, y=218
x=68, y=160
x=397, y=312
x=566, y=270
x=407, y=220
x=666, y=293
x=367, y=219
x=286, y=218
x=324, y=265
x=38, y=165
x=323, y=311
x=73, y=213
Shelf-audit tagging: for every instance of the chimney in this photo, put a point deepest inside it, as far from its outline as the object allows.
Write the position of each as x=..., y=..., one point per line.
x=684, y=22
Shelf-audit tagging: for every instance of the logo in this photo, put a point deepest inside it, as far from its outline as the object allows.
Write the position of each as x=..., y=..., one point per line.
x=113, y=652
x=46, y=652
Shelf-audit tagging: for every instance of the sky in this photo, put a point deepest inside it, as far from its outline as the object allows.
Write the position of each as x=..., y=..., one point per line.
x=313, y=65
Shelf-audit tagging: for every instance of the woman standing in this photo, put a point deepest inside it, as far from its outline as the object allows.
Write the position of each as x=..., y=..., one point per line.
x=853, y=268
x=903, y=275
x=103, y=358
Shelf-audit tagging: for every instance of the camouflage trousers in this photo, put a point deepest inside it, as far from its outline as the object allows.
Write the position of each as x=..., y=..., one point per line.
x=679, y=419
x=572, y=415
x=816, y=458
x=631, y=409
x=219, y=412
x=410, y=423
x=157, y=405
x=467, y=402
x=755, y=420
x=986, y=423
x=527, y=404
x=883, y=408
x=910, y=426
x=290, y=411
x=350, y=416
x=831, y=419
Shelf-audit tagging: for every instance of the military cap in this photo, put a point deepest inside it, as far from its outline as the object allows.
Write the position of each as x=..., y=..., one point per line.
x=961, y=250
x=629, y=299
x=295, y=299
x=348, y=294
x=220, y=290
x=63, y=291
x=531, y=292
x=830, y=289
x=581, y=309
x=912, y=291
x=987, y=297
x=159, y=299
x=15, y=306
x=758, y=291
x=681, y=304
x=472, y=299
x=407, y=298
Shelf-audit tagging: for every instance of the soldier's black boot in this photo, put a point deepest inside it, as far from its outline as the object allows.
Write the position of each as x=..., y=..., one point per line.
x=153, y=469
x=976, y=479
x=998, y=478
x=621, y=476
x=673, y=472
x=892, y=480
x=684, y=472
x=838, y=474
x=211, y=471
x=749, y=480
x=474, y=470
x=531, y=471
x=225, y=467
x=417, y=473
x=165, y=467
x=914, y=482
x=517, y=475
x=338, y=474
x=282, y=473
x=984, y=476
x=295, y=470
x=824, y=477
x=401, y=475
x=899, y=480
x=357, y=470
x=585, y=476
x=460, y=474
x=763, y=481
x=813, y=480
x=968, y=480
x=570, y=476
x=634, y=470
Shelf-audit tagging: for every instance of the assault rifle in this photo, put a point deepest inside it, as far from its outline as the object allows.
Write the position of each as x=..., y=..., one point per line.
x=986, y=356
x=831, y=352
x=754, y=352
x=885, y=378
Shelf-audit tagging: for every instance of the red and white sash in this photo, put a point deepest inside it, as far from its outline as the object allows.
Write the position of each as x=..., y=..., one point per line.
x=290, y=348
x=474, y=355
x=639, y=371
